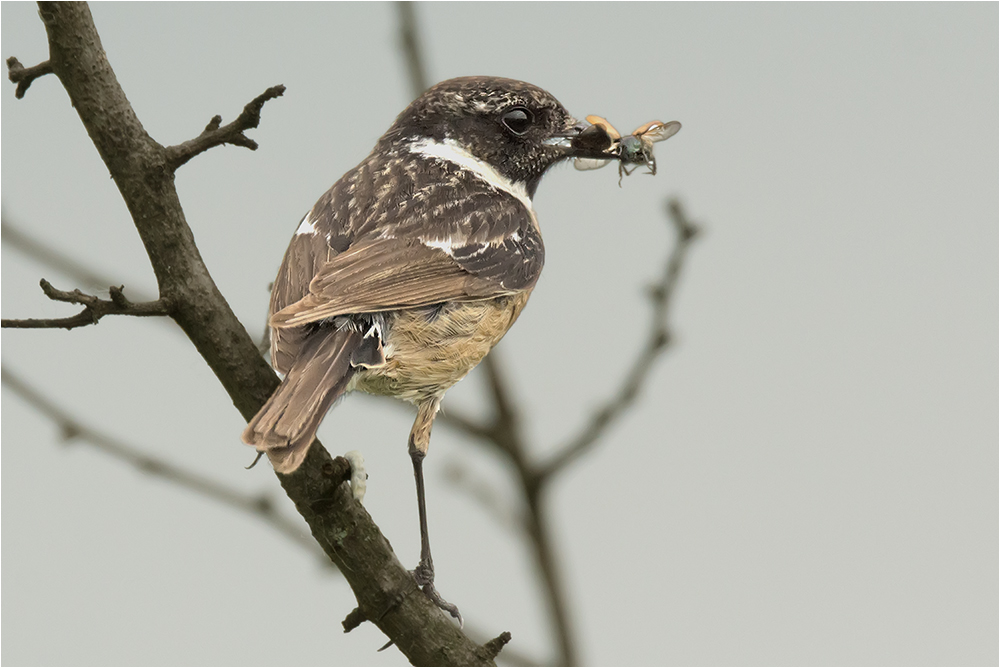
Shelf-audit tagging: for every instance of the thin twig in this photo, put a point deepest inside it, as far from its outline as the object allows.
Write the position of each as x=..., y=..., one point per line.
x=492, y=648
x=23, y=76
x=507, y=418
x=260, y=506
x=503, y=431
x=213, y=135
x=656, y=344
x=540, y=535
x=504, y=434
x=409, y=41
x=338, y=522
x=464, y=423
x=94, y=308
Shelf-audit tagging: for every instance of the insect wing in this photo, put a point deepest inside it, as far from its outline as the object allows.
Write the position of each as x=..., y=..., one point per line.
x=658, y=131
x=584, y=164
x=597, y=120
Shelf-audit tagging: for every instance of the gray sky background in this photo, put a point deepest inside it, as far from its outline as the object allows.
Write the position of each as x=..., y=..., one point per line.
x=810, y=477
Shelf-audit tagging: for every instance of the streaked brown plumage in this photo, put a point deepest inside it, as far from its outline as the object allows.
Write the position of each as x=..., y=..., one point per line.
x=408, y=271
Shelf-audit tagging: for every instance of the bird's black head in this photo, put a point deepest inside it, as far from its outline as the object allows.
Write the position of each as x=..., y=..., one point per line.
x=518, y=129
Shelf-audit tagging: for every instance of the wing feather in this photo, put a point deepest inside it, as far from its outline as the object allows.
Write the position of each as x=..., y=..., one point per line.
x=382, y=275
x=402, y=233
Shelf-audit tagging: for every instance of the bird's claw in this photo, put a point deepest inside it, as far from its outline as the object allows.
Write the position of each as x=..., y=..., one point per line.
x=424, y=575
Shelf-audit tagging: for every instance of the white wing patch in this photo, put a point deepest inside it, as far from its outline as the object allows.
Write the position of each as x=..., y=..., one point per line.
x=447, y=245
x=306, y=227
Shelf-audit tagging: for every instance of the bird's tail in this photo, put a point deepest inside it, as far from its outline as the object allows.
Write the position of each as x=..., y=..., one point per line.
x=286, y=425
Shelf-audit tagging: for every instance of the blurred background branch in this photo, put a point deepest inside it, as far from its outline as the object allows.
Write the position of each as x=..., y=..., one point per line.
x=503, y=431
x=73, y=430
x=13, y=235
x=409, y=41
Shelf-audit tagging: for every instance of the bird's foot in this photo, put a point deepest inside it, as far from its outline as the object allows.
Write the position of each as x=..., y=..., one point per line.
x=424, y=575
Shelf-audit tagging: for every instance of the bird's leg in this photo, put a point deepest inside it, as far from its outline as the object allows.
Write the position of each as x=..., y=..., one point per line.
x=420, y=437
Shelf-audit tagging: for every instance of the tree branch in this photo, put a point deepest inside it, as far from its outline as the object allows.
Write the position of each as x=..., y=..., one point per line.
x=72, y=429
x=503, y=431
x=232, y=133
x=23, y=76
x=491, y=648
x=409, y=41
x=656, y=344
x=464, y=424
x=94, y=309
x=143, y=172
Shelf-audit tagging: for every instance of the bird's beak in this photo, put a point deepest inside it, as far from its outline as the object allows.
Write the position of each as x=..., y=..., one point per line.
x=581, y=139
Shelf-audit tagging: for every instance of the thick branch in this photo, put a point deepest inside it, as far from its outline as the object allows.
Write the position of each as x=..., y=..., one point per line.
x=72, y=429
x=94, y=308
x=23, y=76
x=656, y=343
x=144, y=174
x=232, y=133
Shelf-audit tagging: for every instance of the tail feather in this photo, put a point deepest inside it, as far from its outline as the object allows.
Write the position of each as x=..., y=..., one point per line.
x=286, y=425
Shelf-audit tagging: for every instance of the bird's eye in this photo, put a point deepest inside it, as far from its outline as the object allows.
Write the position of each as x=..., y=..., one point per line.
x=517, y=120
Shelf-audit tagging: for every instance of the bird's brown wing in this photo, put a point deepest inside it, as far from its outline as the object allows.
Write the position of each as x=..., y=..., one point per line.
x=387, y=274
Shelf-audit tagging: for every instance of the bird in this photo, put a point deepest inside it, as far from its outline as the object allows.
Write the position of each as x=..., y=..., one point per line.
x=412, y=266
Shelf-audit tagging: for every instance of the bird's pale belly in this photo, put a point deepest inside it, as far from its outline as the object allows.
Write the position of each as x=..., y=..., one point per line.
x=430, y=349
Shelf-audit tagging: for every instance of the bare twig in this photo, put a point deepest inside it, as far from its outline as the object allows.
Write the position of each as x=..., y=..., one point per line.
x=409, y=41
x=656, y=344
x=213, y=135
x=23, y=76
x=94, y=308
x=72, y=429
x=491, y=649
x=353, y=620
x=509, y=656
x=503, y=431
x=465, y=424
x=340, y=525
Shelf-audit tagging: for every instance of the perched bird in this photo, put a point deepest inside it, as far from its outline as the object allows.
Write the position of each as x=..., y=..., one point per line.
x=407, y=272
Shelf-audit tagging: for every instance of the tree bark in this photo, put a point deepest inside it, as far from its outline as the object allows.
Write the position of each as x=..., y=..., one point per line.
x=144, y=173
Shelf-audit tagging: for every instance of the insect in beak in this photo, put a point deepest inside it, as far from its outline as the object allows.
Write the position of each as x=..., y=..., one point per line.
x=599, y=126
x=634, y=149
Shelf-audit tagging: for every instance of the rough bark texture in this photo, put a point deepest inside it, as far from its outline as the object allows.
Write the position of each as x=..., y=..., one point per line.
x=144, y=174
